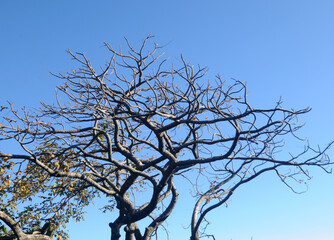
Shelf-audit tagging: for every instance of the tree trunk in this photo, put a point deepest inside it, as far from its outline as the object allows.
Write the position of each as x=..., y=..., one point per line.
x=115, y=227
x=196, y=237
x=35, y=236
x=132, y=232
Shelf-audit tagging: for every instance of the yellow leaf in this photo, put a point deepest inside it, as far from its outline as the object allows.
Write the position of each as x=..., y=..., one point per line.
x=8, y=183
x=57, y=165
x=5, y=158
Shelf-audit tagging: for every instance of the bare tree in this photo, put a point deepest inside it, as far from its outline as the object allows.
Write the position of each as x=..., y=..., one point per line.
x=129, y=129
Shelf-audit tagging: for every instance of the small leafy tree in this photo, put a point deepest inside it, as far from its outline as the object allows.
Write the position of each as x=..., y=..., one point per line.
x=127, y=131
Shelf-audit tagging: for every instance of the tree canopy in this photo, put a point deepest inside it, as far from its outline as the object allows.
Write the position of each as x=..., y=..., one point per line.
x=126, y=131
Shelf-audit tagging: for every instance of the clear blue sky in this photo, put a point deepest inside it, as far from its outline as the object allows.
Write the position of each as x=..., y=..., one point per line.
x=280, y=48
